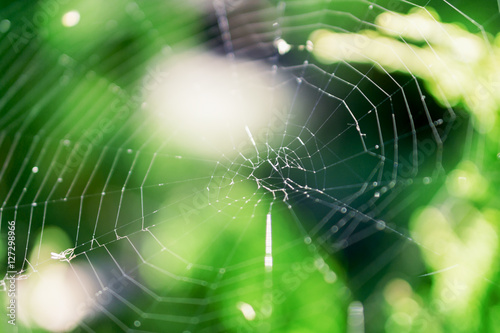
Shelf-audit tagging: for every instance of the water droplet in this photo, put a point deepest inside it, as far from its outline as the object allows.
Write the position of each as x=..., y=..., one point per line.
x=35, y=169
x=137, y=323
x=370, y=7
x=343, y=210
x=307, y=240
x=427, y=180
x=282, y=46
x=380, y=225
x=309, y=46
x=377, y=195
x=129, y=151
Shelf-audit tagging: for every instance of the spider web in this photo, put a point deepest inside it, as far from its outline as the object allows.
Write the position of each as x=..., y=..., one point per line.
x=278, y=226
